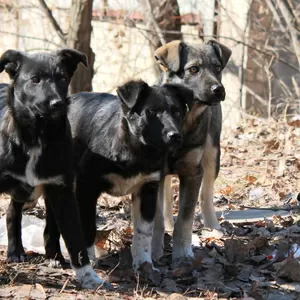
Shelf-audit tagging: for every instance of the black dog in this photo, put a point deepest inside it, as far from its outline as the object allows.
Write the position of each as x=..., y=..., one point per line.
x=121, y=145
x=36, y=152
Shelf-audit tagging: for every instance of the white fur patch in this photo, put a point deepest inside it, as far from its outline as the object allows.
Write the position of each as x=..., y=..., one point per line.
x=91, y=253
x=141, y=244
x=142, y=237
x=30, y=176
x=182, y=240
x=87, y=277
x=124, y=186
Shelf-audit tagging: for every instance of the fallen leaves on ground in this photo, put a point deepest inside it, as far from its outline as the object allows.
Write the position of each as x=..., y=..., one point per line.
x=258, y=259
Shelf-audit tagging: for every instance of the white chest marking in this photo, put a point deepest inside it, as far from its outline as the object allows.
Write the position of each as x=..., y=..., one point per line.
x=30, y=176
x=124, y=186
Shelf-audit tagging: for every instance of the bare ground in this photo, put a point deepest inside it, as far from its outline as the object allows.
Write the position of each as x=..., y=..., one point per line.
x=258, y=259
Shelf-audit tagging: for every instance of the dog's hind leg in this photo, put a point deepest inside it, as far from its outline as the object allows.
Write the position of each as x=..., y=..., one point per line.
x=159, y=223
x=144, y=208
x=211, y=165
x=168, y=203
x=87, y=193
x=182, y=235
x=15, y=250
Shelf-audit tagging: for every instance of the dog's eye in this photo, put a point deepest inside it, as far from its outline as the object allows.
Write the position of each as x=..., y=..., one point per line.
x=194, y=69
x=151, y=112
x=177, y=113
x=218, y=69
x=35, y=79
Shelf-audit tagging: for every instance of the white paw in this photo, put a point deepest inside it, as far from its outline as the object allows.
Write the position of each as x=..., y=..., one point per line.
x=182, y=253
x=147, y=271
x=88, y=278
x=53, y=263
x=91, y=253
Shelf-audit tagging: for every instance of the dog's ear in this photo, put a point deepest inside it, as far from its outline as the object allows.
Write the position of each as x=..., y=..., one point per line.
x=168, y=56
x=223, y=53
x=10, y=62
x=185, y=94
x=130, y=92
x=72, y=58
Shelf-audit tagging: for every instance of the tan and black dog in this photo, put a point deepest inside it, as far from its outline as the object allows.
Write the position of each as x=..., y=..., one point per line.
x=198, y=67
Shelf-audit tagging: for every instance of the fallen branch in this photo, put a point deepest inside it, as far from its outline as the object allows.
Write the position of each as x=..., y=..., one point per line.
x=277, y=208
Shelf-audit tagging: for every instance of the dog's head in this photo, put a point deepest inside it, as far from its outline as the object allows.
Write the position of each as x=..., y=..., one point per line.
x=39, y=82
x=155, y=114
x=199, y=67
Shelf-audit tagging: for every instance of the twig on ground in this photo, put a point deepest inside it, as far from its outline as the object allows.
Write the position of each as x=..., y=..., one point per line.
x=103, y=283
x=277, y=208
x=64, y=286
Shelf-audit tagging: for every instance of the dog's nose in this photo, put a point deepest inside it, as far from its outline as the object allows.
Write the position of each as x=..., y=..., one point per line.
x=56, y=103
x=218, y=90
x=174, y=136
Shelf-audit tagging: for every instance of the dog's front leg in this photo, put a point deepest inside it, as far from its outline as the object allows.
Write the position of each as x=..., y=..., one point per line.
x=51, y=238
x=15, y=250
x=182, y=236
x=144, y=207
x=66, y=213
x=20, y=194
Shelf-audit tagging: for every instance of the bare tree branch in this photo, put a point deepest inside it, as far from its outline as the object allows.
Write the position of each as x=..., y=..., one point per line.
x=30, y=37
x=170, y=32
x=53, y=21
x=290, y=20
x=153, y=20
x=275, y=14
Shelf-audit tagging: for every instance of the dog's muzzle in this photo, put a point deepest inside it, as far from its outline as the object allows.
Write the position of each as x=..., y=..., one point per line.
x=174, y=139
x=216, y=95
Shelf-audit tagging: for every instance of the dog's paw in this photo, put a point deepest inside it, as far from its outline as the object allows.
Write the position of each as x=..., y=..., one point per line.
x=147, y=271
x=213, y=233
x=88, y=278
x=182, y=261
x=16, y=258
x=53, y=263
x=182, y=268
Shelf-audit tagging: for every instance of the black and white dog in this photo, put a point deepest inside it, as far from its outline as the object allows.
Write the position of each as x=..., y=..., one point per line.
x=121, y=144
x=36, y=152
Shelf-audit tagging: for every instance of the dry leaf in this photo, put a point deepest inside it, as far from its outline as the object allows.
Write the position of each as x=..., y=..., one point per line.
x=227, y=191
x=101, y=238
x=272, y=144
x=251, y=179
x=230, y=206
x=295, y=123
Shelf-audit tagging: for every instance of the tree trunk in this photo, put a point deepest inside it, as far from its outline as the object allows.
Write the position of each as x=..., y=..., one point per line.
x=79, y=38
x=160, y=16
x=292, y=25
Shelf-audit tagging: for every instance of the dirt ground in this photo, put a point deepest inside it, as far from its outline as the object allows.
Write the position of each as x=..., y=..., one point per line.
x=258, y=259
